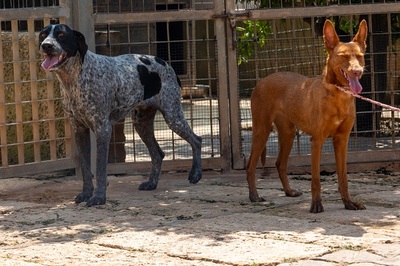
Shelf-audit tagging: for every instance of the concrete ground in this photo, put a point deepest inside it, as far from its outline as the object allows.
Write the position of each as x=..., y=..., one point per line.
x=210, y=223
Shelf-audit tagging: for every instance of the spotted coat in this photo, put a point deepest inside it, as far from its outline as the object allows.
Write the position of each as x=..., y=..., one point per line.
x=98, y=91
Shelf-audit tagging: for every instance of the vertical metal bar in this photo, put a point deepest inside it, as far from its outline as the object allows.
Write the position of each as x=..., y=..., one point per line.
x=275, y=41
x=34, y=89
x=18, y=92
x=67, y=4
x=170, y=62
x=256, y=53
x=373, y=82
x=221, y=29
x=191, y=71
x=84, y=22
x=233, y=93
x=3, y=113
x=148, y=39
x=390, y=76
x=209, y=88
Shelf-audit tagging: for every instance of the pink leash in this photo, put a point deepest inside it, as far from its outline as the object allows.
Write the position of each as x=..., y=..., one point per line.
x=368, y=100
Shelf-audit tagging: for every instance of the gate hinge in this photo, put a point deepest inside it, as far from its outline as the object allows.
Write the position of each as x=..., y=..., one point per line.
x=232, y=22
x=233, y=15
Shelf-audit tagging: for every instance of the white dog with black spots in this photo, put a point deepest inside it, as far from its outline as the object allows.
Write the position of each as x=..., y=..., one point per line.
x=98, y=91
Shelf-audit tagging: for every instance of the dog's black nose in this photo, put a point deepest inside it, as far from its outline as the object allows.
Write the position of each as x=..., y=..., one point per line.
x=47, y=47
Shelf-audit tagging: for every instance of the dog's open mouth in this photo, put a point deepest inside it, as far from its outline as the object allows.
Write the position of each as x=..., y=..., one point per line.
x=353, y=82
x=52, y=62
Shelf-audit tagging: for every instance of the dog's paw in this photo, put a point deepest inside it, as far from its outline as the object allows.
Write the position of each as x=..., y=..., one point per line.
x=148, y=185
x=256, y=198
x=351, y=205
x=96, y=200
x=293, y=193
x=316, y=207
x=195, y=176
x=82, y=197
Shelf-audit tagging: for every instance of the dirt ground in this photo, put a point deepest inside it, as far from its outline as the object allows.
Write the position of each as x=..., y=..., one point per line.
x=210, y=223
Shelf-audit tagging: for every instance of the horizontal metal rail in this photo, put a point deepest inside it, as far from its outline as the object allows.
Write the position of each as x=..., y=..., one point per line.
x=153, y=16
x=323, y=11
x=33, y=13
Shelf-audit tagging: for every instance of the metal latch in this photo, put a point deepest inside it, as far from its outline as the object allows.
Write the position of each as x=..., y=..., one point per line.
x=232, y=22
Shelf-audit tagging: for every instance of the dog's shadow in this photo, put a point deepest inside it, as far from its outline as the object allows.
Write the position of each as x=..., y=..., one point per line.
x=216, y=210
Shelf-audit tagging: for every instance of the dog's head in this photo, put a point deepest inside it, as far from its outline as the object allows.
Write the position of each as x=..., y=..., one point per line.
x=346, y=59
x=59, y=43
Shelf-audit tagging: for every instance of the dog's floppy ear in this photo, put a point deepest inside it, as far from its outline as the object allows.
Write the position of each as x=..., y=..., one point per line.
x=361, y=35
x=82, y=46
x=330, y=37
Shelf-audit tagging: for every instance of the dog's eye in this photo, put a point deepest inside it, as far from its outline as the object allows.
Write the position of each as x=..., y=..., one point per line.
x=345, y=56
x=43, y=35
x=60, y=35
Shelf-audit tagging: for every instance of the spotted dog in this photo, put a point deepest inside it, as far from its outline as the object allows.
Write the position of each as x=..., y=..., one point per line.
x=100, y=90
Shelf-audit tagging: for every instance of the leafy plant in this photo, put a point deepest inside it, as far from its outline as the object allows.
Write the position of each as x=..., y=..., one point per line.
x=251, y=32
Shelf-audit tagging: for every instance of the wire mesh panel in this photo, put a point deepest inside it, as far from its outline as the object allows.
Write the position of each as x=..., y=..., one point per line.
x=190, y=48
x=6, y=4
x=126, y=6
x=33, y=127
x=296, y=45
x=34, y=134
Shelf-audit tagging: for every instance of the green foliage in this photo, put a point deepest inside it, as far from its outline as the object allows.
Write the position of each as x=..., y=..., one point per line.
x=251, y=32
x=258, y=31
x=345, y=25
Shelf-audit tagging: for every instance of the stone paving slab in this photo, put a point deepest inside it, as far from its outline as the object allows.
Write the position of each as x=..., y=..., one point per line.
x=210, y=223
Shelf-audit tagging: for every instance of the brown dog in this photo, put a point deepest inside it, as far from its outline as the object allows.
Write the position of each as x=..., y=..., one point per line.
x=314, y=105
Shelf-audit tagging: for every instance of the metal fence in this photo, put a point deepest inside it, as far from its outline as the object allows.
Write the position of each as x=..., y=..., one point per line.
x=184, y=34
x=219, y=54
x=34, y=134
x=283, y=40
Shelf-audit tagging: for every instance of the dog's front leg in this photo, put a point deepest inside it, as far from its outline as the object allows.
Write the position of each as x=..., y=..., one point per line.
x=340, y=143
x=258, y=144
x=316, y=201
x=103, y=135
x=82, y=138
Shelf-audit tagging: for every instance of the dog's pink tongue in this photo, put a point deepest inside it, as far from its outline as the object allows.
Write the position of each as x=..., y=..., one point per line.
x=49, y=61
x=355, y=85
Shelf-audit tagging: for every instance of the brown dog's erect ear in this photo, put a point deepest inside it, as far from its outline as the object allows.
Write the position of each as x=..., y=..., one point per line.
x=82, y=46
x=361, y=35
x=330, y=37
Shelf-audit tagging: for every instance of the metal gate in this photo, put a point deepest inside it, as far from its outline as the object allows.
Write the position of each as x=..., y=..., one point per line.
x=34, y=134
x=271, y=36
x=217, y=50
x=36, y=137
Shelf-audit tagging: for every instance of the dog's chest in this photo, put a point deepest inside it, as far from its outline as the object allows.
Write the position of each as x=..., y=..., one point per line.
x=81, y=107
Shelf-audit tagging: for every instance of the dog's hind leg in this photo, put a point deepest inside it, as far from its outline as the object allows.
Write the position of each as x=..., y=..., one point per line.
x=286, y=135
x=143, y=121
x=169, y=104
x=177, y=123
x=82, y=138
